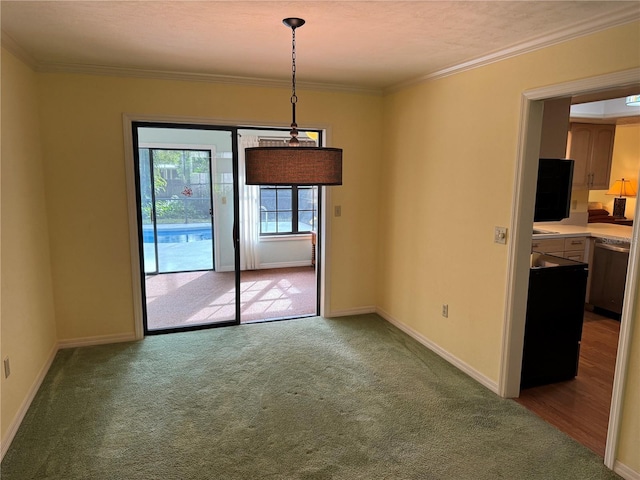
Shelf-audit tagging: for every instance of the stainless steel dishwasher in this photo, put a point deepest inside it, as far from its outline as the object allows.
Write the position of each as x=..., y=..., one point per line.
x=609, y=270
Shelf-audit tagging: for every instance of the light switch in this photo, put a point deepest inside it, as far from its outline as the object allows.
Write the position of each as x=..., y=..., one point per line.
x=337, y=211
x=500, y=235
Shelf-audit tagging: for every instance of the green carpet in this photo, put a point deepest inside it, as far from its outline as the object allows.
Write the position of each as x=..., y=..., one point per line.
x=349, y=398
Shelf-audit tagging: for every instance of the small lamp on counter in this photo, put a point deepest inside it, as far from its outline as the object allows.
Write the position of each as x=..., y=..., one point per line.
x=622, y=188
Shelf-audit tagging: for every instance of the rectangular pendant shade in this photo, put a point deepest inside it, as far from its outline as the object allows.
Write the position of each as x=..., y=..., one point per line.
x=293, y=166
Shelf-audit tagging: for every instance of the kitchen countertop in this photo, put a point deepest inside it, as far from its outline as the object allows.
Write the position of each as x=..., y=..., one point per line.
x=597, y=230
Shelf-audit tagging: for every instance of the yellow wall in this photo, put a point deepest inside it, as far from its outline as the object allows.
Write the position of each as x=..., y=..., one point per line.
x=87, y=202
x=625, y=164
x=28, y=322
x=580, y=198
x=629, y=446
x=447, y=143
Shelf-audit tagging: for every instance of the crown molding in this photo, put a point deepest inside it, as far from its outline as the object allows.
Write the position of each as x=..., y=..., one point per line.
x=629, y=120
x=15, y=49
x=611, y=117
x=621, y=17
x=195, y=77
x=586, y=85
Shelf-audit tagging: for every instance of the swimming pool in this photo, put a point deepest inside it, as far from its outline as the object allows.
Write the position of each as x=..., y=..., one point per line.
x=177, y=232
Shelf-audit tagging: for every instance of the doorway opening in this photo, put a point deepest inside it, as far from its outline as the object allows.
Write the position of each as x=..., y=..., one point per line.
x=580, y=407
x=605, y=87
x=213, y=251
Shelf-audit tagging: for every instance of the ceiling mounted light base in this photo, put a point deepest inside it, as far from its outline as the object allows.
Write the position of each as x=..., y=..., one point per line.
x=293, y=22
x=293, y=164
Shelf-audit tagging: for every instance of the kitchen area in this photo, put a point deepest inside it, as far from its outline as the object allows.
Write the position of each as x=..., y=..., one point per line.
x=603, y=247
x=579, y=266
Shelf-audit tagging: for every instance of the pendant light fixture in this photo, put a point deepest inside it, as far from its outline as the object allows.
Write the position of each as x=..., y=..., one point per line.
x=293, y=164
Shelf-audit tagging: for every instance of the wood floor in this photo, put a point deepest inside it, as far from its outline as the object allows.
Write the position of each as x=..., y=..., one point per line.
x=580, y=407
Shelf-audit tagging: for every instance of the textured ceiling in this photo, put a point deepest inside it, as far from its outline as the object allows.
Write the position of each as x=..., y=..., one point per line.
x=372, y=44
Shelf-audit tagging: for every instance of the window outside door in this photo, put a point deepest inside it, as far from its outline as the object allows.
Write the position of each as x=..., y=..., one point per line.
x=176, y=210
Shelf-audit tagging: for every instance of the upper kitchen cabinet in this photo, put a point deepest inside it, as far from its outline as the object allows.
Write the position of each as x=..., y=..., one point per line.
x=591, y=146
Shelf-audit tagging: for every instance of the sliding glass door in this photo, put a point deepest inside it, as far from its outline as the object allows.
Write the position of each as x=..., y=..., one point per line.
x=194, y=213
x=187, y=195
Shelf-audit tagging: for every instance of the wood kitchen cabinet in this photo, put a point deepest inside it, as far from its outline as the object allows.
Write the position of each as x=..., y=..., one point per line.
x=572, y=248
x=590, y=145
x=552, y=246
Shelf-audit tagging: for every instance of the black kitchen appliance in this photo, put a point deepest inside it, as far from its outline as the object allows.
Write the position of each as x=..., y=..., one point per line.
x=553, y=329
x=553, y=191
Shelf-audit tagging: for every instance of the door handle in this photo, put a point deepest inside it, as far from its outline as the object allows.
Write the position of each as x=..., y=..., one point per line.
x=236, y=236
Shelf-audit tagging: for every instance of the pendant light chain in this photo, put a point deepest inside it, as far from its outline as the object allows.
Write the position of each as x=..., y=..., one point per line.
x=283, y=165
x=294, y=98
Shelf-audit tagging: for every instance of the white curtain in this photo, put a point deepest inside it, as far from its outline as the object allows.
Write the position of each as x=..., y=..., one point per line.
x=249, y=211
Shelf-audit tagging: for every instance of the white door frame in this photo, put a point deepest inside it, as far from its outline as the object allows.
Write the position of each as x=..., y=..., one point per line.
x=136, y=279
x=520, y=247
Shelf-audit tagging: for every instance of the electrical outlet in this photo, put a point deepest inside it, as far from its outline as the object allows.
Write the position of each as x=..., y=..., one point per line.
x=337, y=210
x=445, y=310
x=7, y=367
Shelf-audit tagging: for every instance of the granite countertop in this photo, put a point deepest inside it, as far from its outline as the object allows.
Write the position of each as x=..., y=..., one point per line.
x=597, y=230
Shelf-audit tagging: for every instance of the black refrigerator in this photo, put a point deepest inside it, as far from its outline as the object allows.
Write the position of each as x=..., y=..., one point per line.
x=553, y=329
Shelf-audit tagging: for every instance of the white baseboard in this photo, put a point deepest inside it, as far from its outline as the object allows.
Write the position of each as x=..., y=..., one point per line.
x=299, y=263
x=452, y=359
x=225, y=269
x=350, y=311
x=99, y=340
x=625, y=472
x=22, y=411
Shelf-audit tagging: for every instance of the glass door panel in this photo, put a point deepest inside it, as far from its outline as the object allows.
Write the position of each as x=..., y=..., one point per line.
x=187, y=210
x=280, y=278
